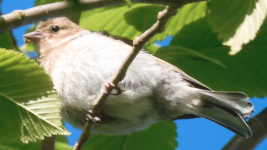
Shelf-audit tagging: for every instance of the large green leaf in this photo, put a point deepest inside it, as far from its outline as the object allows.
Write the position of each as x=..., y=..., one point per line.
x=243, y=72
x=236, y=21
x=110, y=19
x=168, y=52
x=187, y=14
x=143, y=16
x=29, y=109
x=130, y=22
x=157, y=137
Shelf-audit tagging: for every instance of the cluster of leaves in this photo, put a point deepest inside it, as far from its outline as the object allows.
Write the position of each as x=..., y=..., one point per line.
x=201, y=33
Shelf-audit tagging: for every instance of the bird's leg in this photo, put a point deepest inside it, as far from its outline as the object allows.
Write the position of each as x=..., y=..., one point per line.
x=97, y=118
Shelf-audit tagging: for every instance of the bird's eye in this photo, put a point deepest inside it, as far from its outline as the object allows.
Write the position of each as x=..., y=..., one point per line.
x=55, y=28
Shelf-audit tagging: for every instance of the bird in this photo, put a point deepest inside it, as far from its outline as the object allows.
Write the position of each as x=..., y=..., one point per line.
x=81, y=63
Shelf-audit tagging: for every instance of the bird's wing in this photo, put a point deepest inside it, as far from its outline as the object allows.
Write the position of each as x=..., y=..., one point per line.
x=193, y=82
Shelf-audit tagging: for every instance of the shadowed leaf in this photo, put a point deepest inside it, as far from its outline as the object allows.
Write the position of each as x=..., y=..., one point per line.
x=243, y=72
x=157, y=137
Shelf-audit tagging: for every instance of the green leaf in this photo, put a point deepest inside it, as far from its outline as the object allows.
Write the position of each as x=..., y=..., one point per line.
x=29, y=47
x=62, y=139
x=21, y=146
x=33, y=146
x=172, y=53
x=193, y=36
x=29, y=110
x=142, y=17
x=157, y=137
x=129, y=2
x=62, y=143
x=187, y=14
x=62, y=146
x=130, y=22
x=110, y=19
x=6, y=41
x=243, y=72
x=151, y=48
x=236, y=21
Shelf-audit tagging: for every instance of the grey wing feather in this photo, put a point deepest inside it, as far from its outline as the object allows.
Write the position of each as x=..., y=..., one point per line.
x=193, y=82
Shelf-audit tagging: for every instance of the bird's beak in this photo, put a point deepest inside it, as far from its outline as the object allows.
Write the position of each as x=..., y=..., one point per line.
x=34, y=36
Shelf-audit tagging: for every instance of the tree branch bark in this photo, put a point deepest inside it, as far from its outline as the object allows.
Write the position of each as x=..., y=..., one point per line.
x=48, y=143
x=23, y=17
x=258, y=125
x=138, y=43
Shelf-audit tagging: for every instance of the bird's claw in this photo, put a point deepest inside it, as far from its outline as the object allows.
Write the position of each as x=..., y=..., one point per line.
x=90, y=116
x=107, y=85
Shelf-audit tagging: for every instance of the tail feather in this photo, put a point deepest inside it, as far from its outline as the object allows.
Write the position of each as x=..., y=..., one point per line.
x=235, y=100
x=226, y=109
x=228, y=119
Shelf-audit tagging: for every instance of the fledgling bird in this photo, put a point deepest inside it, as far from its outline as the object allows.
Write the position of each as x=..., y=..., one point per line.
x=80, y=62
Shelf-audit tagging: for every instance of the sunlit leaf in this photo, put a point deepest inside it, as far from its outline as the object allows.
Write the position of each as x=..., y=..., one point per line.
x=120, y=20
x=187, y=14
x=236, y=21
x=110, y=19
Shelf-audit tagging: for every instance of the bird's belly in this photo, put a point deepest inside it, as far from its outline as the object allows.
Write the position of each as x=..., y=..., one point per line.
x=130, y=115
x=128, y=112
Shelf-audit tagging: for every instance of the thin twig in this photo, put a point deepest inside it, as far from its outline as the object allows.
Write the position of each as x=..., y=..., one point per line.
x=14, y=41
x=48, y=143
x=20, y=18
x=258, y=125
x=138, y=43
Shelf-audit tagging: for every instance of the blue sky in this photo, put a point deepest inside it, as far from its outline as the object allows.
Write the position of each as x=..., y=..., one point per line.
x=192, y=134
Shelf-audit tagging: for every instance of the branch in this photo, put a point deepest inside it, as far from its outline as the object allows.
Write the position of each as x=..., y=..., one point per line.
x=48, y=143
x=20, y=18
x=138, y=43
x=258, y=125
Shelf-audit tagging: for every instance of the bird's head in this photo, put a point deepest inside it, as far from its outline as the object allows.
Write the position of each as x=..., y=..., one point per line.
x=52, y=32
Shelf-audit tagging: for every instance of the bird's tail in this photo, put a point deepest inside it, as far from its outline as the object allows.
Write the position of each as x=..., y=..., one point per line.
x=228, y=109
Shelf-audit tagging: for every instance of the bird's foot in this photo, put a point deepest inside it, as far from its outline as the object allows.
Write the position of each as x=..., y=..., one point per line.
x=116, y=90
x=91, y=117
x=107, y=85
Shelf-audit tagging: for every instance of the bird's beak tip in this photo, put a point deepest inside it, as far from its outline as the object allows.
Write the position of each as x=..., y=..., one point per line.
x=34, y=36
